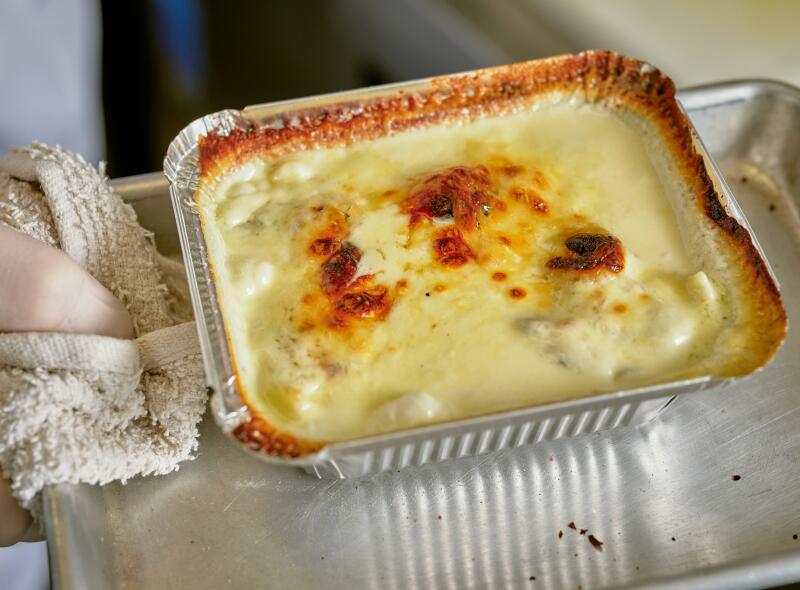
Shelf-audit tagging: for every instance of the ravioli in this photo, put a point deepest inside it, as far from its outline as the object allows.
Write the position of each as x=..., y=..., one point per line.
x=533, y=234
x=455, y=271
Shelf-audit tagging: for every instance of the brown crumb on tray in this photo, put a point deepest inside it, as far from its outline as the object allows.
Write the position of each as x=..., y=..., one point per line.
x=532, y=578
x=596, y=543
x=560, y=534
x=736, y=477
x=583, y=531
x=572, y=526
x=794, y=537
x=771, y=207
x=439, y=516
x=673, y=538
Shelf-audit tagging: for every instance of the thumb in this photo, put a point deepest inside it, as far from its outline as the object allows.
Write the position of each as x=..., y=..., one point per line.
x=43, y=290
x=14, y=520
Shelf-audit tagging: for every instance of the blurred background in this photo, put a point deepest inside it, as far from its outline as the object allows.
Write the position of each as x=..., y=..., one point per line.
x=143, y=70
x=116, y=81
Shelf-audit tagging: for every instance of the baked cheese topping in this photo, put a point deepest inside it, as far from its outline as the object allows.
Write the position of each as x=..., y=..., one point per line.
x=454, y=271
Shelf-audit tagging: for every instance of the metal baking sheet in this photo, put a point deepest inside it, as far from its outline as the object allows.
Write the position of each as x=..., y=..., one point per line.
x=662, y=498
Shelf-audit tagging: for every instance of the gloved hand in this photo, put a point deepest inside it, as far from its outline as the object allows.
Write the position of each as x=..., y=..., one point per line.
x=43, y=290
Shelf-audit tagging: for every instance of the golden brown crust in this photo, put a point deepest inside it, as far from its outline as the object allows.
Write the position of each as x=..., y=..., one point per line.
x=599, y=76
x=258, y=434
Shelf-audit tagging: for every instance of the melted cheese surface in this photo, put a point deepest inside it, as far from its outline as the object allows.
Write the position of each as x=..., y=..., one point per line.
x=499, y=331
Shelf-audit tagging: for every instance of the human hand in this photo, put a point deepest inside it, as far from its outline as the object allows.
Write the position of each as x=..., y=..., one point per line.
x=16, y=523
x=43, y=290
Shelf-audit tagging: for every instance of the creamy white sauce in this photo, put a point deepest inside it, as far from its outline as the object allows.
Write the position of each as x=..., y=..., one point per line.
x=470, y=348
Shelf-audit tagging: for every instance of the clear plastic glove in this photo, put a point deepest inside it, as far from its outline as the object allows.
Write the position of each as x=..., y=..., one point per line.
x=43, y=290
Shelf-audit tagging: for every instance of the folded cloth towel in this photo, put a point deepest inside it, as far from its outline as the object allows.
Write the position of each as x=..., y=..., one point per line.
x=85, y=408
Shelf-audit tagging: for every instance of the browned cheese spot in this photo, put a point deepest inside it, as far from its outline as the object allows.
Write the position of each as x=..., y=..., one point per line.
x=590, y=252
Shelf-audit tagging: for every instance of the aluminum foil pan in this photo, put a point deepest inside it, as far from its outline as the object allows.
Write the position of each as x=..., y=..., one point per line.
x=418, y=446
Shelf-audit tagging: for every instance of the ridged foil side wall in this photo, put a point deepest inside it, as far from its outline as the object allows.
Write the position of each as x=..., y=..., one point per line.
x=470, y=443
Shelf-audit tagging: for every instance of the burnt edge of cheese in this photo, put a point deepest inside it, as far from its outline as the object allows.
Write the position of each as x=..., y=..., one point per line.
x=340, y=269
x=350, y=297
x=368, y=302
x=258, y=434
x=450, y=248
x=529, y=198
x=590, y=252
x=605, y=77
x=459, y=191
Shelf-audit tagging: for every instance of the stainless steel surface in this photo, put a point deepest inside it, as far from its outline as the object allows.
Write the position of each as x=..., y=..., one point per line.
x=227, y=520
x=413, y=447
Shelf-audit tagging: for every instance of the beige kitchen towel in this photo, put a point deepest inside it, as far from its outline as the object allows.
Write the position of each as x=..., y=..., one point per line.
x=94, y=409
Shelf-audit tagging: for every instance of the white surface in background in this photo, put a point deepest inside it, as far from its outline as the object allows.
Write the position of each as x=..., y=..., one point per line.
x=24, y=567
x=692, y=41
x=49, y=91
x=50, y=75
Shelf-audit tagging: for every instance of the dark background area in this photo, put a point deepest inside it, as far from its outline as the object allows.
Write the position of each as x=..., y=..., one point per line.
x=166, y=63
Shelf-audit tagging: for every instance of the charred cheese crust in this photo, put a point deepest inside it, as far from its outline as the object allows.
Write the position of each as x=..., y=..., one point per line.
x=619, y=85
